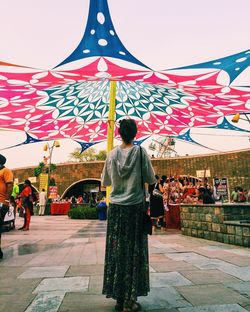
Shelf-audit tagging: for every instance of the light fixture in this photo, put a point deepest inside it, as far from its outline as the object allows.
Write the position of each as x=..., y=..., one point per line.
x=56, y=143
x=236, y=118
x=49, y=148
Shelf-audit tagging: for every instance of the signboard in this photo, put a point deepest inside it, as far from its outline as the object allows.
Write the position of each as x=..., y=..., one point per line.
x=221, y=189
x=43, y=181
x=53, y=191
x=203, y=173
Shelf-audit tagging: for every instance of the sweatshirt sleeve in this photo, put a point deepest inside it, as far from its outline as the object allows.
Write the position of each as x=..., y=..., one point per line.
x=105, y=177
x=148, y=170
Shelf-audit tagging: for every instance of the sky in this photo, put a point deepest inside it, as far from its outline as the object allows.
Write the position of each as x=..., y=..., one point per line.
x=161, y=33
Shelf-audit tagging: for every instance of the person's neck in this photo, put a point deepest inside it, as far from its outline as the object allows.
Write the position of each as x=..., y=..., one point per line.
x=125, y=145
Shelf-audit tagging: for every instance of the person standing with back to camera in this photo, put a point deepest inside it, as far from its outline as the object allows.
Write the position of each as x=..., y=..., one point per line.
x=126, y=269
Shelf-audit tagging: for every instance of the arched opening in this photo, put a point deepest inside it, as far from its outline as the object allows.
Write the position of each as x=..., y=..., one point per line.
x=89, y=189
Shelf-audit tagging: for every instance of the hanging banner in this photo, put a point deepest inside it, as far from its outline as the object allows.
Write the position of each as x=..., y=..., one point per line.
x=53, y=192
x=43, y=181
x=203, y=173
x=221, y=189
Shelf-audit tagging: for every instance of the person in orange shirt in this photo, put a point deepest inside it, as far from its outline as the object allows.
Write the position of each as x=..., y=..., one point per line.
x=6, y=186
x=27, y=200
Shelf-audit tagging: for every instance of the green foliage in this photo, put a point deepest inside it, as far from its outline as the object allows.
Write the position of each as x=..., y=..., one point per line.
x=41, y=165
x=76, y=155
x=42, y=168
x=83, y=212
x=52, y=182
x=37, y=171
x=52, y=168
x=102, y=155
x=88, y=155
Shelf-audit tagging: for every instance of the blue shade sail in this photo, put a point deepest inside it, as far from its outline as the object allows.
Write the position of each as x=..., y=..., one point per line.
x=100, y=38
x=187, y=138
x=139, y=142
x=29, y=139
x=86, y=145
x=225, y=125
x=234, y=64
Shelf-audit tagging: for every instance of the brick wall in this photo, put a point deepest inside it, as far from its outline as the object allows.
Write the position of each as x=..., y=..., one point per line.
x=234, y=165
x=66, y=174
x=213, y=222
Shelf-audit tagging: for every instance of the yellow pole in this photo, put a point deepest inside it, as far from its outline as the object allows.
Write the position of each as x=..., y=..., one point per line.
x=111, y=126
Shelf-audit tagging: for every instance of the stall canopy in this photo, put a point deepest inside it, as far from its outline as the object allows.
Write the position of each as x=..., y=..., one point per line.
x=72, y=99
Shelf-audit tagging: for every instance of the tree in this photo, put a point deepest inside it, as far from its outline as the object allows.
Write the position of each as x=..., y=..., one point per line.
x=42, y=168
x=38, y=170
x=102, y=155
x=88, y=155
x=76, y=155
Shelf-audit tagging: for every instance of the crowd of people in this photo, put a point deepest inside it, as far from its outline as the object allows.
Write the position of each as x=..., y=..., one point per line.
x=240, y=195
x=10, y=196
x=176, y=190
x=91, y=198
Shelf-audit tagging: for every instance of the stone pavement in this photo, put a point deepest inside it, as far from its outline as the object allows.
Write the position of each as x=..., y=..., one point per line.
x=58, y=266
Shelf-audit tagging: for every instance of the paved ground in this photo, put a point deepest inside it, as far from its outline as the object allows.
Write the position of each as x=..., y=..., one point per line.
x=58, y=266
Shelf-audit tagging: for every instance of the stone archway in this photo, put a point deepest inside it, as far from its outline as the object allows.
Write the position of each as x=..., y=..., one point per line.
x=82, y=186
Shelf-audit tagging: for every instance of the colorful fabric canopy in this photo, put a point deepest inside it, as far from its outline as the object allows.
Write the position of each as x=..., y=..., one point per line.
x=74, y=103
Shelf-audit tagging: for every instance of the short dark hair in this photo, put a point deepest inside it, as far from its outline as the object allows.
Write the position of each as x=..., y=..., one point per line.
x=164, y=178
x=27, y=182
x=2, y=160
x=127, y=130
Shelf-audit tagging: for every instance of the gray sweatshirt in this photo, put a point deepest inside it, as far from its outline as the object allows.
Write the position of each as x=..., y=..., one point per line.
x=122, y=170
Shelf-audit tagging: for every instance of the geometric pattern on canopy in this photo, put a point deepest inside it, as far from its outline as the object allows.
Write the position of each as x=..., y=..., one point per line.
x=79, y=109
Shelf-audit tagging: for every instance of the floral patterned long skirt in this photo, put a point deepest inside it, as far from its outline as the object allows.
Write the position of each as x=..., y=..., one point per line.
x=126, y=270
